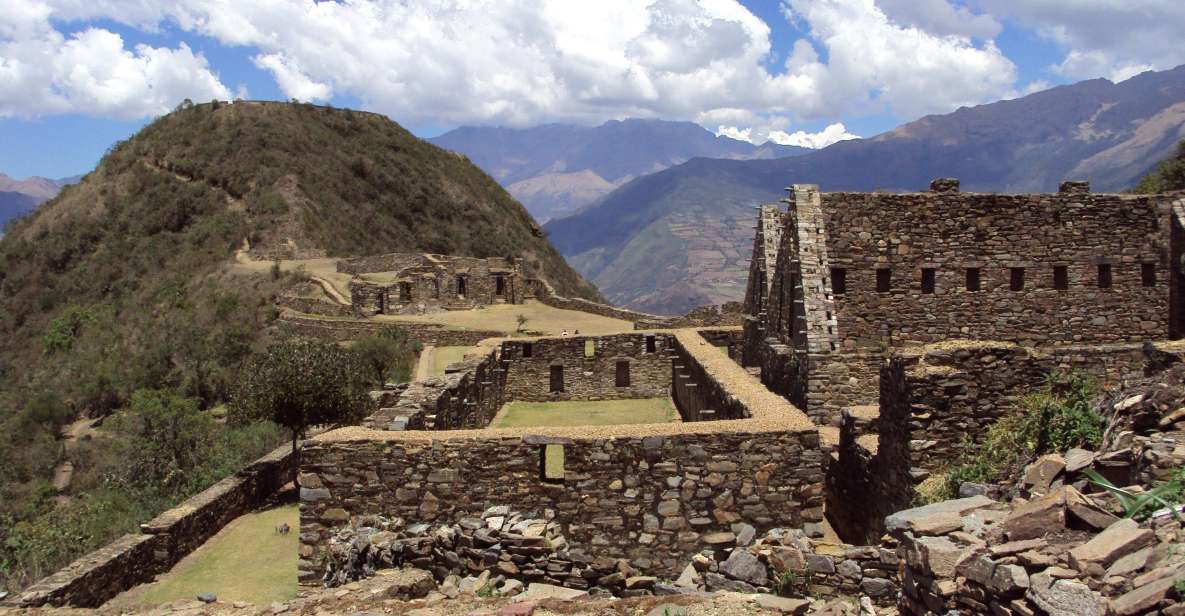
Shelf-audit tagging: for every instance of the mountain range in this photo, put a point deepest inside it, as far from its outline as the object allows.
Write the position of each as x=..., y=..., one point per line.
x=19, y=197
x=555, y=169
x=681, y=237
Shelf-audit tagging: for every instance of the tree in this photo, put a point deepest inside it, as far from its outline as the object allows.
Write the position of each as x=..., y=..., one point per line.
x=301, y=383
x=1167, y=176
x=521, y=319
x=390, y=351
x=166, y=438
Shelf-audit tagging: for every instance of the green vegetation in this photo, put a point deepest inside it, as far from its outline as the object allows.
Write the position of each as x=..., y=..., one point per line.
x=1054, y=419
x=390, y=354
x=158, y=451
x=791, y=583
x=1166, y=494
x=301, y=383
x=246, y=561
x=1167, y=176
x=599, y=413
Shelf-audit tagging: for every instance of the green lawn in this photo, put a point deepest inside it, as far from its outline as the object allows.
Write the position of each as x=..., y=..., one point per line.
x=599, y=413
x=443, y=356
x=246, y=561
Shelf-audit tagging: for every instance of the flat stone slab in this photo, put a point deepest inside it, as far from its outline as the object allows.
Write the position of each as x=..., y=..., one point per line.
x=537, y=592
x=960, y=506
x=1120, y=539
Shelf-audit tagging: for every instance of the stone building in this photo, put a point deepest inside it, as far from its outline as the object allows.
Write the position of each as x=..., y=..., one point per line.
x=400, y=283
x=858, y=275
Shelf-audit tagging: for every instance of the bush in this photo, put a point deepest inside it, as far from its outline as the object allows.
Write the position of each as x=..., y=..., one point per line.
x=1054, y=419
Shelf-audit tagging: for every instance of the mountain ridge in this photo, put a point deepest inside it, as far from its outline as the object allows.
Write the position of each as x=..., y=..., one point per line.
x=1110, y=134
x=557, y=169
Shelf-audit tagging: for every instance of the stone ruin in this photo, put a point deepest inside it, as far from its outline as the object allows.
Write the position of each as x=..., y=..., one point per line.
x=400, y=283
x=881, y=333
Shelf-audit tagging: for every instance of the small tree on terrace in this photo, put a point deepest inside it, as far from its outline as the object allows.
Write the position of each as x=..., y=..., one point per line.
x=301, y=383
x=389, y=352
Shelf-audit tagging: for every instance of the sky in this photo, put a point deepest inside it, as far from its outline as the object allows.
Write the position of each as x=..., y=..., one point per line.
x=78, y=75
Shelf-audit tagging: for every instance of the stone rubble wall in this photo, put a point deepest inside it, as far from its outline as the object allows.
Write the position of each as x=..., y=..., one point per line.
x=652, y=500
x=136, y=558
x=431, y=282
x=469, y=395
x=588, y=377
x=309, y=305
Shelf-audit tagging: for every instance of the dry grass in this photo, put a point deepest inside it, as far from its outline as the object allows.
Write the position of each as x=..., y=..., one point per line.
x=580, y=413
x=540, y=317
x=321, y=268
x=443, y=356
x=246, y=561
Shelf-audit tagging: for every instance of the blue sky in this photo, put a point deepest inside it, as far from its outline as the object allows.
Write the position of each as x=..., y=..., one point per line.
x=75, y=78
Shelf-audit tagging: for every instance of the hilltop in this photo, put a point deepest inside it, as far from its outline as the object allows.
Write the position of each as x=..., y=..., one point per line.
x=1108, y=133
x=556, y=169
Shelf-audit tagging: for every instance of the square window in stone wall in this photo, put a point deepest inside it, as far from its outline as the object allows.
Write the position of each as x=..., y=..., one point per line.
x=928, y=276
x=1148, y=274
x=973, y=279
x=1104, y=275
x=651, y=346
x=622, y=377
x=528, y=349
x=1016, y=278
x=556, y=382
x=884, y=278
x=839, y=280
x=590, y=348
x=1061, y=277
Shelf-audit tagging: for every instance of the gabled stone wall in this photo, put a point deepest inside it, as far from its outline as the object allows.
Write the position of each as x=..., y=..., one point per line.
x=589, y=366
x=414, y=283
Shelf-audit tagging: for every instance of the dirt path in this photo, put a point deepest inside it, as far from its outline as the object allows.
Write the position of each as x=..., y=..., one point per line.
x=63, y=473
x=331, y=290
x=424, y=365
x=234, y=203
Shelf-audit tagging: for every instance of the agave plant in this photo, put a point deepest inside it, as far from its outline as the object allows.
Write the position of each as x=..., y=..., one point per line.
x=1137, y=504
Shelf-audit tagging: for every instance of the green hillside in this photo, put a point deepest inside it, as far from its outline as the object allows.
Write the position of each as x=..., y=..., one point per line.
x=120, y=289
x=1167, y=176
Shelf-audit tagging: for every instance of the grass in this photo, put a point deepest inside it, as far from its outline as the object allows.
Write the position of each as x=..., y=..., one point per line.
x=321, y=268
x=444, y=356
x=540, y=317
x=246, y=561
x=599, y=413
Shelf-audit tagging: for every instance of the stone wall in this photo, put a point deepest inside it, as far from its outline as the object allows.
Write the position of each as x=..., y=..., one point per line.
x=469, y=395
x=589, y=367
x=1015, y=241
x=867, y=481
x=310, y=305
x=653, y=500
x=163, y=541
x=415, y=283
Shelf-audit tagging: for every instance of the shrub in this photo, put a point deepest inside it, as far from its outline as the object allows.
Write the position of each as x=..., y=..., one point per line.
x=1057, y=417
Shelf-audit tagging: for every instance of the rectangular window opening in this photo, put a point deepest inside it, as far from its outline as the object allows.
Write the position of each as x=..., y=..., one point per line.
x=650, y=344
x=405, y=291
x=928, y=280
x=839, y=280
x=528, y=349
x=557, y=379
x=973, y=279
x=883, y=280
x=1061, y=277
x=590, y=348
x=552, y=461
x=622, y=378
x=1148, y=274
x=461, y=290
x=1016, y=278
x=1104, y=275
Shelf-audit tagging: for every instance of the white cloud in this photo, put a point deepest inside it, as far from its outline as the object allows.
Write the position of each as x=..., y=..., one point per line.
x=43, y=72
x=732, y=132
x=1115, y=39
x=834, y=133
x=523, y=62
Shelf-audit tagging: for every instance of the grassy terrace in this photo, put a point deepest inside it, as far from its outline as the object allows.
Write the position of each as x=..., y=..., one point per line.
x=246, y=561
x=580, y=413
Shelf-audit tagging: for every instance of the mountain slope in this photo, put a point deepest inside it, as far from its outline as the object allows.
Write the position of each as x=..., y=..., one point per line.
x=556, y=169
x=1107, y=133
x=19, y=197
